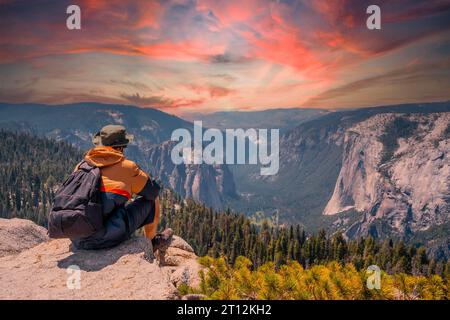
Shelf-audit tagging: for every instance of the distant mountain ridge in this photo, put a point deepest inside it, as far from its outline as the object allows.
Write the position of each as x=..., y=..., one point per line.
x=283, y=119
x=77, y=123
x=316, y=157
x=312, y=157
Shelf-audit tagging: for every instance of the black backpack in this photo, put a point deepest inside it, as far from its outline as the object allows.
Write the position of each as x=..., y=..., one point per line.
x=77, y=209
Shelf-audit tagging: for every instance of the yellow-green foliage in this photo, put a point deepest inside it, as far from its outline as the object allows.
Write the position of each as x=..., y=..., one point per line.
x=292, y=282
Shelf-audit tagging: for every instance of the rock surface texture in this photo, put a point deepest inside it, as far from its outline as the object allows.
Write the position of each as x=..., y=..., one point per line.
x=52, y=269
x=396, y=170
x=12, y=230
x=209, y=184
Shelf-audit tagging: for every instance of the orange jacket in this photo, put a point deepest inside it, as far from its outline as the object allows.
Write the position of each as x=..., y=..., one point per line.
x=120, y=178
x=119, y=175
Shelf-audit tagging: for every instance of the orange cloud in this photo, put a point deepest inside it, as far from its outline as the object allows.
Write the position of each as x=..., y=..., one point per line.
x=117, y=13
x=160, y=102
x=267, y=53
x=184, y=50
x=231, y=12
x=212, y=91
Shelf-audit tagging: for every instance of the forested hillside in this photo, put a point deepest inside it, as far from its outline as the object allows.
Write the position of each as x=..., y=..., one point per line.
x=76, y=124
x=232, y=235
x=30, y=168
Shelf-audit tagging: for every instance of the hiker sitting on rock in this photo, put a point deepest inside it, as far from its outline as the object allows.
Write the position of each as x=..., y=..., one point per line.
x=117, y=179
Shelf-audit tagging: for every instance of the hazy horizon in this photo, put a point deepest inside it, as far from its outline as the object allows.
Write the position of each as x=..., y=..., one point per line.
x=187, y=115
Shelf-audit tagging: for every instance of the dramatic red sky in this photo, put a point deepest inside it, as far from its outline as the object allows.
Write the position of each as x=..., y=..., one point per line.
x=208, y=55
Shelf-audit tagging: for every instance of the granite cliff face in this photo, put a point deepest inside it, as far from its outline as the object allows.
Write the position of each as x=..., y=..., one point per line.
x=44, y=269
x=396, y=171
x=382, y=171
x=209, y=184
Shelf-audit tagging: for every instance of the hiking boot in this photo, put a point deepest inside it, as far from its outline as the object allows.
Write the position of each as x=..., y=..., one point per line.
x=161, y=241
x=148, y=250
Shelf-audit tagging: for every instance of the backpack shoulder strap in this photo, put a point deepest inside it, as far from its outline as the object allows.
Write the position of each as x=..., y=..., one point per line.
x=86, y=165
x=77, y=166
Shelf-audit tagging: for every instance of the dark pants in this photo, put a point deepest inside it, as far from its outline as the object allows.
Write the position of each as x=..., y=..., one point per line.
x=120, y=225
